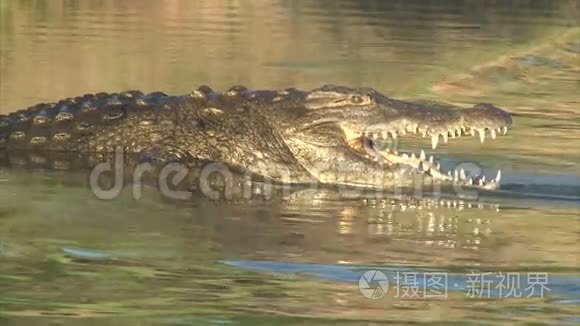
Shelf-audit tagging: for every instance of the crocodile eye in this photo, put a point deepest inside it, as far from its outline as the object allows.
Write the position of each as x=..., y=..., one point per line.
x=356, y=99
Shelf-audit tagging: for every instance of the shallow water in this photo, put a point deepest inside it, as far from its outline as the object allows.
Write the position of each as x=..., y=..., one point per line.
x=66, y=256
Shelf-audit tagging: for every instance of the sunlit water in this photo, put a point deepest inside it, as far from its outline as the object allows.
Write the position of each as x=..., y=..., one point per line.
x=66, y=256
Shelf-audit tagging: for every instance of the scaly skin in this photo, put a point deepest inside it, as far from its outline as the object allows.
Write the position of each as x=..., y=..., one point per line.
x=329, y=134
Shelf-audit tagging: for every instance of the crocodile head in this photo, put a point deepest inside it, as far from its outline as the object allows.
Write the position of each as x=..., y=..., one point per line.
x=353, y=125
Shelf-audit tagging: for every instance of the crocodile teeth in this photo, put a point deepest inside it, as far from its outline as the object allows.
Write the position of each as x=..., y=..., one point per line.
x=434, y=141
x=462, y=174
x=402, y=132
x=413, y=156
x=422, y=155
x=470, y=181
x=493, y=134
x=481, y=182
x=498, y=177
x=431, y=159
x=394, y=134
x=504, y=130
x=445, y=137
x=481, y=135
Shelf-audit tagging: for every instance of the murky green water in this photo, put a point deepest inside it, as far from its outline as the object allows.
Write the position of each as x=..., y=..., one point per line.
x=67, y=257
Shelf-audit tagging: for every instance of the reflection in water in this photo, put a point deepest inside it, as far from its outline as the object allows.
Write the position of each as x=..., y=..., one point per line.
x=148, y=254
x=65, y=254
x=153, y=254
x=398, y=47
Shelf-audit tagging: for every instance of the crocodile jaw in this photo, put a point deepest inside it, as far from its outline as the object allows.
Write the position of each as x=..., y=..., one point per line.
x=370, y=143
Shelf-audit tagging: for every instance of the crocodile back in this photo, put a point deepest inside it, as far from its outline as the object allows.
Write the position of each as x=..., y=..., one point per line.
x=88, y=123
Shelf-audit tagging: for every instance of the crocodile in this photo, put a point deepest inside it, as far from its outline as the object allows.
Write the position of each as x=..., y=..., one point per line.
x=330, y=135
